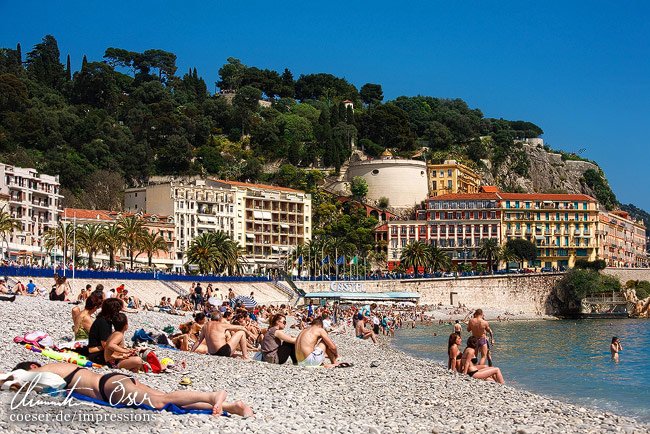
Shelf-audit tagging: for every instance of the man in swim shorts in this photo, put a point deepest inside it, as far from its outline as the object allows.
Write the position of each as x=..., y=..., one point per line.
x=361, y=332
x=214, y=333
x=313, y=344
x=478, y=327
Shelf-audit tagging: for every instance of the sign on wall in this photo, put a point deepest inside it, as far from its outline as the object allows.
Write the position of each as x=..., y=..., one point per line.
x=347, y=287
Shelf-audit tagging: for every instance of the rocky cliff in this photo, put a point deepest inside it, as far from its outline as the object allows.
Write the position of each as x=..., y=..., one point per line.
x=548, y=172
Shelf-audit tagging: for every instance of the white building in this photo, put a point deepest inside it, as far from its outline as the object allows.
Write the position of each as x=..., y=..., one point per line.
x=267, y=221
x=36, y=203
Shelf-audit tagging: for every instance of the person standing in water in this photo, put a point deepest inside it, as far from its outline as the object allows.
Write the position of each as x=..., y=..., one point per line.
x=615, y=347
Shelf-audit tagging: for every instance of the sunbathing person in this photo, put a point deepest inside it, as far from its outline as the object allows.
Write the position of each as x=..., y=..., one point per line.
x=116, y=388
x=278, y=346
x=115, y=353
x=361, y=332
x=471, y=368
x=453, y=353
x=61, y=290
x=83, y=320
x=313, y=345
x=214, y=334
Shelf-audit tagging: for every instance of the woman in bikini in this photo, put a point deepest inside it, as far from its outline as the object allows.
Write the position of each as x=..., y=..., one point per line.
x=61, y=290
x=83, y=320
x=453, y=352
x=115, y=388
x=470, y=366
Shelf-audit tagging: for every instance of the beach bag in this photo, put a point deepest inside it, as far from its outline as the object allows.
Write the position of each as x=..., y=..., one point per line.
x=151, y=362
x=38, y=339
x=141, y=336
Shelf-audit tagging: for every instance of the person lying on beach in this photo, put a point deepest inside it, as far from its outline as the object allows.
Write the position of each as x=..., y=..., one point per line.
x=313, y=345
x=214, y=334
x=469, y=366
x=361, y=332
x=115, y=353
x=190, y=332
x=116, y=388
x=478, y=327
x=82, y=320
x=453, y=352
x=278, y=346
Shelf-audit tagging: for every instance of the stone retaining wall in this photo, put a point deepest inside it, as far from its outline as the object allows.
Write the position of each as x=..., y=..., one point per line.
x=515, y=293
x=625, y=274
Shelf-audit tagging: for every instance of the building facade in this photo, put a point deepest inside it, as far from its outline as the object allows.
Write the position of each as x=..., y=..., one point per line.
x=452, y=177
x=562, y=227
x=35, y=202
x=622, y=240
x=267, y=221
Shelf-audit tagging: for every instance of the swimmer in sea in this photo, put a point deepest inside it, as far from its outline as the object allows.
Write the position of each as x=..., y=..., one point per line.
x=615, y=347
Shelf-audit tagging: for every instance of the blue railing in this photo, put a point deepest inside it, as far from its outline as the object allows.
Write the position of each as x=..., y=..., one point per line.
x=119, y=275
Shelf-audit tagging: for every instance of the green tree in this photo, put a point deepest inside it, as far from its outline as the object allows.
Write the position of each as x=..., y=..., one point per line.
x=414, y=255
x=232, y=74
x=150, y=244
x=131, y=231
x=59, y=237
x=113, y=240
x=359, y=186
x=371, y=93
x=43, y=63
x=507, y=255
x=490, y=251
x=246, y=104
x=439, y=259
x=8, y=226
x=90, y=239
x=522, y=249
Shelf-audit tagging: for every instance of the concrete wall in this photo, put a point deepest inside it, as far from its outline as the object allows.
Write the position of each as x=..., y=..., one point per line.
x=625, y=274
x=527, y=293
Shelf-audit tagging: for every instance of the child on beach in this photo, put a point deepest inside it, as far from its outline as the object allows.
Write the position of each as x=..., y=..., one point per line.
x=116, y=354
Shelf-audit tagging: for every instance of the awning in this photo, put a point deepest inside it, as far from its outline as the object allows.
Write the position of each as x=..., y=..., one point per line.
x=539, y=237
x=283, y=226
x=257, y=214
x=266, y=215
x=365, y=296
x=205, y=219
x=275, y=248
x=250, y=236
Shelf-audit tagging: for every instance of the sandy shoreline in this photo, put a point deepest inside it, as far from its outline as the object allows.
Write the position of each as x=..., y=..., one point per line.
x=402, y=394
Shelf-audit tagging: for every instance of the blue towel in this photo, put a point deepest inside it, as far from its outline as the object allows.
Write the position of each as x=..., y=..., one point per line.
x=169, y=407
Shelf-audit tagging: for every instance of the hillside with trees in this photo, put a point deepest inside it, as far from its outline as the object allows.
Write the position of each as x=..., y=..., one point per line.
x=120, y=119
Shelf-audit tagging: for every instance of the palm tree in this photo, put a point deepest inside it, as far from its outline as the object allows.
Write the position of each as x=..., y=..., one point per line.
x=61, y=236
x=415, y=254
x=112, y=242
x=203, y=252
x=131, y=230
x=508, y=255
x=439, y=259
x=91, y=239
x=490, y=251
x=7, y=226
x=152, y=243
x=228, y=253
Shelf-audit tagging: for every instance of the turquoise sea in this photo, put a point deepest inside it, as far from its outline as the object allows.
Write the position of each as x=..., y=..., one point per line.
x=566, y=359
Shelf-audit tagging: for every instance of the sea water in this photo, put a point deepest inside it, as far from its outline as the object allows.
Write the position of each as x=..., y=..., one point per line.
x=568, y=360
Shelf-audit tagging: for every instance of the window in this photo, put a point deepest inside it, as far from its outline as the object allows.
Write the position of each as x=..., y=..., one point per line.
x=434, y=184
x=433, y=173
x=448, y=172
x=449, y=183
x=442, y=173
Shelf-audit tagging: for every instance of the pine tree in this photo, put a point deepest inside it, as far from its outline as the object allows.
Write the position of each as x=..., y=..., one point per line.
x=84, y=61
x=334, y=115
x=19, y=54
x=68, y=69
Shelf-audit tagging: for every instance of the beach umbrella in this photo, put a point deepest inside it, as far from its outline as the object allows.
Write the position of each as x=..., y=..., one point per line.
x=214, y=301
x=246, y=301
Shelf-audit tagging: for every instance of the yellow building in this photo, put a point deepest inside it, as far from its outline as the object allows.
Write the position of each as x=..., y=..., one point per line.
x=562, y=226
x=452, y=177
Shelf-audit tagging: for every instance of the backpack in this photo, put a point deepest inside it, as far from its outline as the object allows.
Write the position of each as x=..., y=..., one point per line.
x=38, y=339
x=151, y=362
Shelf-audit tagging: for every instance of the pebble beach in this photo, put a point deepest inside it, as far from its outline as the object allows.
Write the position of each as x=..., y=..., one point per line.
x=401, y=394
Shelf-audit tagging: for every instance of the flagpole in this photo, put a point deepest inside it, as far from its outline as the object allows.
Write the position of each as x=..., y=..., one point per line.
x=336, y=253
x=74, y=244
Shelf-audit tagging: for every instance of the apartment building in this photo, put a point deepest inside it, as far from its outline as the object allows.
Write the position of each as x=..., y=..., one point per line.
x=158, y=224
x=562, y=226
x=270, y=221
x=622, y=240
x=267, y=221
x=451, y=177
x=34, y=200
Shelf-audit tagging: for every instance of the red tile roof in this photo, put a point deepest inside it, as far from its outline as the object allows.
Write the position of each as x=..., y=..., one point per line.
x=266, y=186
x=489, y=189
x=468, y=196
x=87, y=214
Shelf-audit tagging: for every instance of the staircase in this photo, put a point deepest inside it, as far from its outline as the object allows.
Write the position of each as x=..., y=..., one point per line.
x=174, y=287
x=284, y=290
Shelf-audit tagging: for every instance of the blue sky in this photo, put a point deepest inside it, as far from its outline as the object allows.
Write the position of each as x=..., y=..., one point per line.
x=580, y=70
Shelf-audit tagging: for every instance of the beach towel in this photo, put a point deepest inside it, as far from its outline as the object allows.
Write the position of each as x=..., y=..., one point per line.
x=141, y=336
x=38, y=339
x=169, y=407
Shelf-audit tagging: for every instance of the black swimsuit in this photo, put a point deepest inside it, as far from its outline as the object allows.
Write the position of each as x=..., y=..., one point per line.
x=223, y=351
x=104, y=379
x=68, y=378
